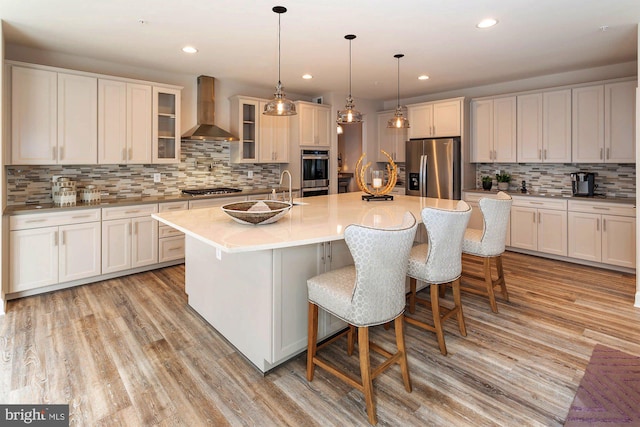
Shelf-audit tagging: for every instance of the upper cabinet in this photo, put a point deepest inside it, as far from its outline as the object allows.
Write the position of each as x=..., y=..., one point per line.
x=60, y=117
x=604, y=123
x=435, y=119
x=53, y=118
x=166, y=125
x=544, y=127
x=262, y=139
x=311, y=127
x=391, y=140
x=124, y=122
x=493, y=130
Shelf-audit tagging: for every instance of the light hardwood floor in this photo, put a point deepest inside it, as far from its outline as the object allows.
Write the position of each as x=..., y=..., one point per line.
x=129, y=352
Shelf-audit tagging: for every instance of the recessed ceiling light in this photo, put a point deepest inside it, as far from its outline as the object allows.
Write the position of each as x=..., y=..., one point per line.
x=486, y=23
x=189, y=49
x=307, y=76
x=423, y=77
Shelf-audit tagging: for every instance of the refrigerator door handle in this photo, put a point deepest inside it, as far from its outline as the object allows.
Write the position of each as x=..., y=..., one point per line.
x=423, y=175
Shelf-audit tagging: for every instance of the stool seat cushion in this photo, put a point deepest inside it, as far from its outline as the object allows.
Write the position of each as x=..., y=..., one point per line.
x=472, y=243
x=333, y=290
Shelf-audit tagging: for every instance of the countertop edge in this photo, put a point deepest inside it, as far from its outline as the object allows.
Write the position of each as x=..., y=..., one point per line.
x=557, y=196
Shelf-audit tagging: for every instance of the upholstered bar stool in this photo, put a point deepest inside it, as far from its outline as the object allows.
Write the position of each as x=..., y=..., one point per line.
x=369, y=293
x=436, y=264
x=488, y=244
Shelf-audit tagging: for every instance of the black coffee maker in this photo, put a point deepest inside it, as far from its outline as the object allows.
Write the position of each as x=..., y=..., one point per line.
x=582, y=183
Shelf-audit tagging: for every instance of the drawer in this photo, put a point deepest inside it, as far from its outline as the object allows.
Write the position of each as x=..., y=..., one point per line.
x=129, y=211
x=602, y=208
x=167, y=231
x=540, y=203
x=173, y=206
x=170, y=248
x=23, y=222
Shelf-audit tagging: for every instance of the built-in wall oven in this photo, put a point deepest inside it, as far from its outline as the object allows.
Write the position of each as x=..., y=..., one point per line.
x=314, y=172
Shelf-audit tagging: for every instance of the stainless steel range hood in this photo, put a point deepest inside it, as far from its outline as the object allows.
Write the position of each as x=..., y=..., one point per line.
x=205, y=130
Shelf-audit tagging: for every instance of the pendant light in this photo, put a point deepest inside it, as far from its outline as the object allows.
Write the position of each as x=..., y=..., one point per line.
x=399, y=121
x=349, y=114
x=279, y=105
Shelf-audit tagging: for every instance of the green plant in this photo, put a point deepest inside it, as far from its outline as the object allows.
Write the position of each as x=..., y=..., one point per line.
x=503, y=177
x=487, y=178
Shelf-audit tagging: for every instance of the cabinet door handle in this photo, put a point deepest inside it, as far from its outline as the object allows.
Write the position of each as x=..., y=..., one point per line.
x=536, y=203
x=540, y=153
x=174, y=208
x=539, y=218
x=124, y=154
x=604, y=225
x=534, y=217
x=600, y=208
x=130, y=153
x=598, y=224
x=131, y=212
x=545, y=154
x=607, y=158
x=62, y=243
x=601, y=153
x=80, y=216
x=54, y=153
x=60, y=153
x=35, y=220
x=330, y=250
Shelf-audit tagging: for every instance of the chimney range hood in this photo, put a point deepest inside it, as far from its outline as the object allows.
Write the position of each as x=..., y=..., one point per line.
x=205, y=130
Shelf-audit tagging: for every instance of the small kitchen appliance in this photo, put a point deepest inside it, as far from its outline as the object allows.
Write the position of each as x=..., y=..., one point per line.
x=582, y=183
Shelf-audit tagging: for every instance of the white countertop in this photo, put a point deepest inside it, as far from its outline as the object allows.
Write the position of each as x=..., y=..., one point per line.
x=320, y=219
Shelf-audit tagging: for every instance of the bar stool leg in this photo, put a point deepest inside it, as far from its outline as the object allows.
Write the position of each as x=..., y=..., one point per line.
x=437, y=320
x=489, y=281
x=412, y=295
x=312, y=343
x=458, y=306
x=503, y=285
x=404, y=366
x=365, y=370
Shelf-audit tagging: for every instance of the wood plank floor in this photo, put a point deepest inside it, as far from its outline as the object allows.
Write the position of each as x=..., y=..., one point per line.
x=129, y=352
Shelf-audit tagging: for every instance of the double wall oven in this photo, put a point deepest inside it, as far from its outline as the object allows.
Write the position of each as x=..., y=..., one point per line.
x=315, y=172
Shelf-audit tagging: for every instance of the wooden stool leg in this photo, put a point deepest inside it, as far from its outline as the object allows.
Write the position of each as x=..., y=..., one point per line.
x=365, y=370
x=412, y=295
x=437, y=320
x=351, y=339
x=458, y=306
x=312, y=340
x=489, y=281
x=404, y=366
x=501, y=281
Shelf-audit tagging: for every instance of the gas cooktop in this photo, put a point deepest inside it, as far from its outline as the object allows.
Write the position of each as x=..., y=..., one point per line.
x=210, y=191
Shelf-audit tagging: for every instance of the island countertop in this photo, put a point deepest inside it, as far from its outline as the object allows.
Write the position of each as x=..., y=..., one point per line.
x=318, y=219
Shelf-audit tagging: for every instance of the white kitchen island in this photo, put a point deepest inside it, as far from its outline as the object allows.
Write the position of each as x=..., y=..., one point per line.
x=250, y=281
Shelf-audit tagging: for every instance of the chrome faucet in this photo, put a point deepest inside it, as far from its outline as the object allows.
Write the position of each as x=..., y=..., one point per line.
x=281, y=177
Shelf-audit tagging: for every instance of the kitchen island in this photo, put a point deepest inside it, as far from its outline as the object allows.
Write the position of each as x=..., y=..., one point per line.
x=249, y=282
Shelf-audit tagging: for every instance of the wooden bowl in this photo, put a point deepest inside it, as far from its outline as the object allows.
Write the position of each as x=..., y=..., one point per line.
x=256, y=212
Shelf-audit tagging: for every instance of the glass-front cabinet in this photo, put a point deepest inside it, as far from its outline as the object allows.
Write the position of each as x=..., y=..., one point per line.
x=166, y=125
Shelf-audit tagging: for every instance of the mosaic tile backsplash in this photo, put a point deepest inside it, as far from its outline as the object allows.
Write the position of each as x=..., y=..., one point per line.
x=613, y=180
x=203, y=164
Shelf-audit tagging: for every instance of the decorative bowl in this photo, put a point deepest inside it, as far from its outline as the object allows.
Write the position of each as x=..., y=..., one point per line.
x=257, y=212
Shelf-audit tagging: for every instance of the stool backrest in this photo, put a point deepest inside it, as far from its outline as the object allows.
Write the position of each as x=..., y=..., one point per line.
x=445, y=232
x=495, y=213
x=381, y=258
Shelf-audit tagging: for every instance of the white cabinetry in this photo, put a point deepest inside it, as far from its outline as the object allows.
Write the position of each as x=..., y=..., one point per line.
x=493, y=130
x=604, y=123
x=166, y=125
x=539, y=224
x=435, y=119
x=312, y=125
x=602, y=232
x=129, y=237
x=170, y=240
x=245, y=119
x=391, y=140
x=53, y=117
x=46, y=249
x=544, y=127
x=273, y=143
x=124, y=122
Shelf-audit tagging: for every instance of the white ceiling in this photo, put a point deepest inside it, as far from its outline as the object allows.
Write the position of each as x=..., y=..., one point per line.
x=237, y=39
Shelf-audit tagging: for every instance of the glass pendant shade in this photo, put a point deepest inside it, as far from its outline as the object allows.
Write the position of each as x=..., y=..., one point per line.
x=349, y=114
x=398, y=121
x=279, y=105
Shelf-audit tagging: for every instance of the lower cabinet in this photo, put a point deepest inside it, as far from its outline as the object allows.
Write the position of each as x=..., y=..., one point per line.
x=602, y=233
x=129, y=237
x=539, y=225
x=47, y=249
x=170, y=240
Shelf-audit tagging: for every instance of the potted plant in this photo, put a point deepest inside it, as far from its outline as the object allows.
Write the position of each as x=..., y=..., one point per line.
x=503, y=179
x=487, y=182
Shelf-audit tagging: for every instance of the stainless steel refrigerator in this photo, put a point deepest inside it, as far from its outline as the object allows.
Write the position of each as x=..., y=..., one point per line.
x=433, y=168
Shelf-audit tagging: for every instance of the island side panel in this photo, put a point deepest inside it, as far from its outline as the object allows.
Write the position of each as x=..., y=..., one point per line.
x=233, y=293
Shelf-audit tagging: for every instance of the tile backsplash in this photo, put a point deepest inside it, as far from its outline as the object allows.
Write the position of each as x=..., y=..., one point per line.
x=202, y=164
x=614, y=180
